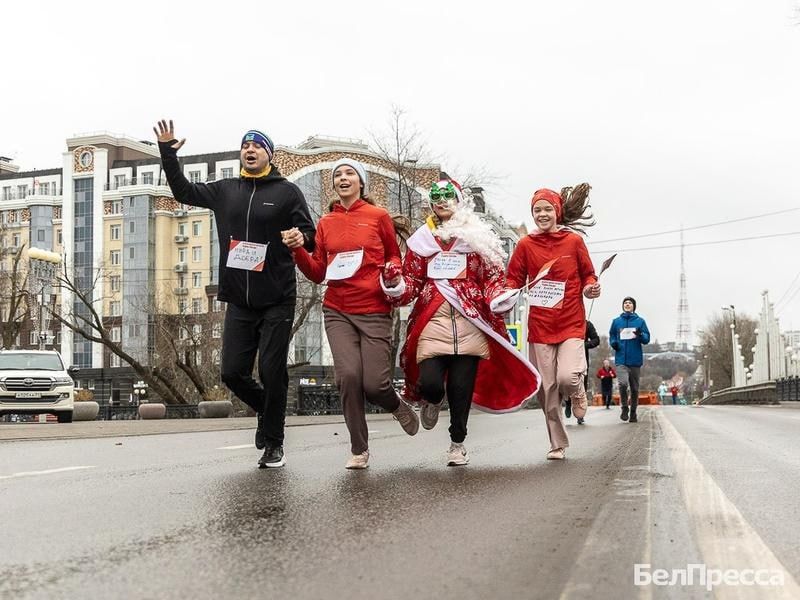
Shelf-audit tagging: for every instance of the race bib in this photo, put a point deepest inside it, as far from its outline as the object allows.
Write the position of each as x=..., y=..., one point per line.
x=246, y=255
x=448, y=265
x=344, y=265
x=547, y=293
x=627, y=333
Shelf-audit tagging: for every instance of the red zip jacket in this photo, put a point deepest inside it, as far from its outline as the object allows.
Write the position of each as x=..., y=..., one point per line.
x=342, y=230
x=574, y=269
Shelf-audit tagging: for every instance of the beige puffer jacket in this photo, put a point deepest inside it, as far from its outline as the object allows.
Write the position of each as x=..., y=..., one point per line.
x=449, y=332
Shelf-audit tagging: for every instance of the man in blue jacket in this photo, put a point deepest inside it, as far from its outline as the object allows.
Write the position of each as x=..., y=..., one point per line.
x=627, y=335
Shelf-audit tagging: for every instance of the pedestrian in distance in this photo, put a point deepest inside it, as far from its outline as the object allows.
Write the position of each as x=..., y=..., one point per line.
x=256, y=274
x=356, y=242
x=674, y=391
x=627, y=335
x=456, y=345
x=553, y=259
x=606, y=375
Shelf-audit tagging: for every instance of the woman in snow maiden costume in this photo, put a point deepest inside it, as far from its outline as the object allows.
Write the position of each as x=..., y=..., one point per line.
x=555, y=263
x=355, y=242
x=455, y=345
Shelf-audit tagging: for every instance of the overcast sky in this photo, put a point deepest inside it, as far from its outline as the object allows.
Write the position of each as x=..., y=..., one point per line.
x=681, y=113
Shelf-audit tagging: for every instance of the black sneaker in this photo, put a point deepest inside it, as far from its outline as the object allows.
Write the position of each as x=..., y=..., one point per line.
x=568, y=409
x=580, y=420
x=624, y=415
x=633, y=418
x=261, y=440
x=273, y=457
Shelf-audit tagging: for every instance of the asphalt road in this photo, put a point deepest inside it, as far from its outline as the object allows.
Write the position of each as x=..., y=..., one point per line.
x=189, y=515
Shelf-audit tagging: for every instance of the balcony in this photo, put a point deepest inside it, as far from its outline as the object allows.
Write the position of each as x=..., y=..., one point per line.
x=132, y=181
x=179, y=212
x=181, y=267
x=180, y=291
x=181, y=239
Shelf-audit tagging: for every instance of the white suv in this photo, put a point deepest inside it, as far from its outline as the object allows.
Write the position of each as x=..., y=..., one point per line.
x=36, y=382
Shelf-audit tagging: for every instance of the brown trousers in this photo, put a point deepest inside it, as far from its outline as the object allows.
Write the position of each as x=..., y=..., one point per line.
x=562, y=367
x=361, y=350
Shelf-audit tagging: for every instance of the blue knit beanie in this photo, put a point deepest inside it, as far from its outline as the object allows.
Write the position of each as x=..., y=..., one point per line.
x=254, y=135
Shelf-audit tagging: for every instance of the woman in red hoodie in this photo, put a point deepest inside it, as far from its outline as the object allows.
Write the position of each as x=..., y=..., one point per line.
x=355, y=242
x=555, y=263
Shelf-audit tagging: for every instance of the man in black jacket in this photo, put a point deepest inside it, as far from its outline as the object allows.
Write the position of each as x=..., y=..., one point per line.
x=256, y=274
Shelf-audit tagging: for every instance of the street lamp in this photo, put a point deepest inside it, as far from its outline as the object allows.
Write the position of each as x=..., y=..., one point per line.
x=731, y=308
x=140, y=391
x=44, y=266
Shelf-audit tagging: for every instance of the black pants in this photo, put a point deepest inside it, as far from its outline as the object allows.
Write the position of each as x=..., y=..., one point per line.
x=265, y=332
x=459, y=372
x=628, y=376
x=607, y=393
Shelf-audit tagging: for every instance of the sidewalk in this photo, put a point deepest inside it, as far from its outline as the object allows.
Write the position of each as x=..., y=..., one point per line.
x=10, y=432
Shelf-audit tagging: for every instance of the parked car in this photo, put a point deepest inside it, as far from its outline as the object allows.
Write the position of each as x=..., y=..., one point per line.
x=35, y=382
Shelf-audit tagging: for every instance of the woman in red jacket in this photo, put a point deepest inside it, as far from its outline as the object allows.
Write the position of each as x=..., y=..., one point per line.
x=606, y=375
x=453, y=270
x=555, y=263
x=355, y=241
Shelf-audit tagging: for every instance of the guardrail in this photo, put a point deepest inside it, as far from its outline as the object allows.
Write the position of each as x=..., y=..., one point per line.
x=788, y=389
x=760, y=393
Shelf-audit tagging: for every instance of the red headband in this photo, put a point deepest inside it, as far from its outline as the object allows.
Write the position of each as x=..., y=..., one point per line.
x=549, y=196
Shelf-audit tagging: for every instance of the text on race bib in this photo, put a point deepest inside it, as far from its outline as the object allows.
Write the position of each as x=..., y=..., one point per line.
x=344, y=265
x=246, y=255
x=627, y=333
x=448, y=265
x=547, y=293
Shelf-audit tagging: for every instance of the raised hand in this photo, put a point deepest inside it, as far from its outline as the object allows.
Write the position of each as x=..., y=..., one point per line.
x=166, y=133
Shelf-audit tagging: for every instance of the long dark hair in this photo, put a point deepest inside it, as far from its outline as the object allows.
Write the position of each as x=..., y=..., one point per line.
x=575, y=206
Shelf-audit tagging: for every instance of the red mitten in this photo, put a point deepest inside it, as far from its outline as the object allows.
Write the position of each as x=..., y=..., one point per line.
x=391, y=272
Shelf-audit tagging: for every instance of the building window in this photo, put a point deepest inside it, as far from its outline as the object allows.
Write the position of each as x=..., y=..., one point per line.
x=197, y=280
x=33, y=338
x=197, y=305
x=116, y=334
x=216, y=330
x=116, y=308
x=147, y=178
x=197, y=329
x=132, y=252
x=133, y=331
x=116, y=207
x=115, y=257
x=197, y=253
x=60, y=237
x=7, y=193
x=198, y=358
x=215, y=356
x=115, y=361
x=15, y=240
x=22, y=191
x=182, y=228
x=115, y=229
x=182, y=255
x=40, y=235
x=194, y=176
x=196, y=228
x=132, y=227
x=217, y=305
x=58, y=338
x=226, y=172
x=182, y=305
x=183, y=334
x=116, y=281
x=44, y=188
x=119, y=181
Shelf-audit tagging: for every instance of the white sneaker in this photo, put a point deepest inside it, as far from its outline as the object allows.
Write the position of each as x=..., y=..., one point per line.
x=407, y=418
x=429, y=415
x=358, y=461
x=457, y=455
x=557, y=454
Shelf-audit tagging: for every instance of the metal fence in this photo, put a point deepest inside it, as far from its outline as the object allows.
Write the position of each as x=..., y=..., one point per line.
x=323, y=400
x=788, y=389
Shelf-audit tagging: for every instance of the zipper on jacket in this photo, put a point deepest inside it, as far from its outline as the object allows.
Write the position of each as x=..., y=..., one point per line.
x=455, y=330
x=247, y=239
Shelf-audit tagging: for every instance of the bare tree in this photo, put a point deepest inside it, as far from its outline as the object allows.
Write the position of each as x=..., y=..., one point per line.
x=717, y=346
x=14, y=296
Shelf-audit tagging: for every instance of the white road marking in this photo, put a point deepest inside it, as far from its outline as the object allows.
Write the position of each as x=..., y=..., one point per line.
x=46, y=472
x=374, y=431
x=239, y=447
x=725, y=539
